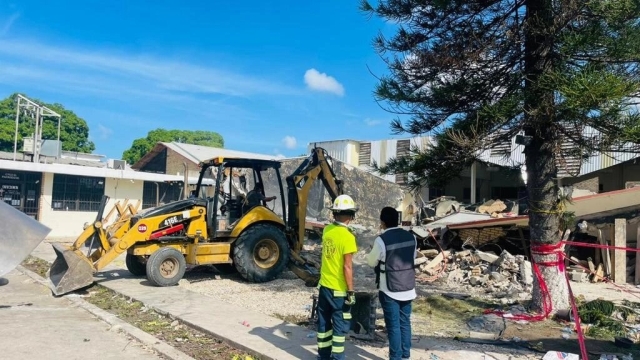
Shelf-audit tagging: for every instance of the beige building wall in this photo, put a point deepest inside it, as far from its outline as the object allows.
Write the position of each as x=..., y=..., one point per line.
x=69, y=224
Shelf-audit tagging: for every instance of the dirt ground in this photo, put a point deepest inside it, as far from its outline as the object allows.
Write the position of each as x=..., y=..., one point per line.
x=440, y=319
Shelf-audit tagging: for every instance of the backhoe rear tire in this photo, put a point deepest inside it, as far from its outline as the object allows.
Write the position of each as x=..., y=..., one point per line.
x=166, y=267
x=135, y=265
x=261, y=253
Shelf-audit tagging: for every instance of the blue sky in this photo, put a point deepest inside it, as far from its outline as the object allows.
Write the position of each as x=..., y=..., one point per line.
x=269, y=76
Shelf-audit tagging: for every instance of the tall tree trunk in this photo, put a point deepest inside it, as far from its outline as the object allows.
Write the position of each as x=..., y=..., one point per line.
x=544, y=218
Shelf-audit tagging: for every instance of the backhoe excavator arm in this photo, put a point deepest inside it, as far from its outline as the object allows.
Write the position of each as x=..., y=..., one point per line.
x=316, y=166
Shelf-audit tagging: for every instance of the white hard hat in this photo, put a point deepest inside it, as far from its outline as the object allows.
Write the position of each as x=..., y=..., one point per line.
x=344, y=203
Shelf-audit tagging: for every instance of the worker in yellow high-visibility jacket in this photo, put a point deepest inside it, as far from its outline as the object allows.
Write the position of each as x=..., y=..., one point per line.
x=336, y=294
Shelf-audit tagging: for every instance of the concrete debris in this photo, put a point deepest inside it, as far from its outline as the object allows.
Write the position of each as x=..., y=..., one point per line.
x=445, y=206
x=438, y=208
x=579, y=276
x=505, y=276
x=558, y=355
x=492, y=206
x=487, y=257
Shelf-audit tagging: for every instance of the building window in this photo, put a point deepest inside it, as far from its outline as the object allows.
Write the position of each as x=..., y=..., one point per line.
x=504, y=193
x=364, y=157
x=466, y=194
x=76, y=193
x=435, y=193
x=154, y=194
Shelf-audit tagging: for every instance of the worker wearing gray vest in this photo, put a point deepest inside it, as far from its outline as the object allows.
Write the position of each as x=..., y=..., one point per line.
x=393, y=254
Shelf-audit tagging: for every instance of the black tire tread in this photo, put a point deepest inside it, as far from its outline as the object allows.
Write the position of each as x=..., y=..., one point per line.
x=243, y=253
x=135, y=266
x=153, y=264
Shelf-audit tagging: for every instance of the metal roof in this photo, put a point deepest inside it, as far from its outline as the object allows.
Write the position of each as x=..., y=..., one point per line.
x=43, y=159
x=89, y=171
x=198, y=153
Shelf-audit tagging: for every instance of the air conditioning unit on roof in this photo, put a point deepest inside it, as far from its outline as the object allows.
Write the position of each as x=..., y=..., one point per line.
x=117, y=164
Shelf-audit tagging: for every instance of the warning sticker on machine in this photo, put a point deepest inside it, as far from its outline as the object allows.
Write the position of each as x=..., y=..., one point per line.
x=142, y=228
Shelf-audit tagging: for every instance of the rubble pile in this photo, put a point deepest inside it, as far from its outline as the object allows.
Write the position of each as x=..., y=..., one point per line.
x=444, y=206
x=505, y=277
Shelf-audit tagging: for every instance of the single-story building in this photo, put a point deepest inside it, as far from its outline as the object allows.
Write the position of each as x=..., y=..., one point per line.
x=65, y=193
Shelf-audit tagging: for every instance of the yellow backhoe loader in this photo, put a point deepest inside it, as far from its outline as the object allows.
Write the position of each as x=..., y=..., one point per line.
x=233, y=227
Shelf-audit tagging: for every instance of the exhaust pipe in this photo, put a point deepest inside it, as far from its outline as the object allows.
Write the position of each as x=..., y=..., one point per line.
x=70, y=271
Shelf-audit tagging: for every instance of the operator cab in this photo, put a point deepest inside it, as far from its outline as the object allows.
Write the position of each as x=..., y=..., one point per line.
x=240, y=185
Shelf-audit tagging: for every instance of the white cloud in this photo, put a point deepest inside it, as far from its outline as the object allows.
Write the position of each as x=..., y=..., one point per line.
x=123, y=74
x=371, y=122
x=8, y=24
x=104, y=132
x=280, y=156
x=290, y=142
x=318, y=81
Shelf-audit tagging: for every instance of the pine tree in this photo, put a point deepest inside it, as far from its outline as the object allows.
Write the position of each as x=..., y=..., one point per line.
x=475, y=73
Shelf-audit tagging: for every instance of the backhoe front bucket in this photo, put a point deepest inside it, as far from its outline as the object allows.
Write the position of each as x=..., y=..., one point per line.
x=70, y=271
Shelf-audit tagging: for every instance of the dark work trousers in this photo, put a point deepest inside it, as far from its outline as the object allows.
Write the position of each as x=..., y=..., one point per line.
x=397, y=319
x=334, y=322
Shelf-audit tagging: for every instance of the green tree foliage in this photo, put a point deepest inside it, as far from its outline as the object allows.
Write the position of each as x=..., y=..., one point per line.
x=142, y=146
x=475, y=73
x=74, y=131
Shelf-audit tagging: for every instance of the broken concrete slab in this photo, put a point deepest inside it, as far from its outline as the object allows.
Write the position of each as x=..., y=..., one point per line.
x=526, y=273
x=437, y=260
x=487, y=257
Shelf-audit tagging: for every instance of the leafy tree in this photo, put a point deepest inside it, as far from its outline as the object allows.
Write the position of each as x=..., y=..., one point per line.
x=142, y=146
x=74, y=131
x=478, y=72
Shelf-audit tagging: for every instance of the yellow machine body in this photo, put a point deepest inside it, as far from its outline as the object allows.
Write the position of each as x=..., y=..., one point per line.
x=161, y=240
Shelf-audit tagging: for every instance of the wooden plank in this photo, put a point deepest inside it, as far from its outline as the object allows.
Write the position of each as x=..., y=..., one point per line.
x=619, y=261
x=606, y=263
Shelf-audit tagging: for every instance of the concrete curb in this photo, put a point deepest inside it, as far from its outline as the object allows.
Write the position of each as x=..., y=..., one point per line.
x=227, y=340
x=116, y=323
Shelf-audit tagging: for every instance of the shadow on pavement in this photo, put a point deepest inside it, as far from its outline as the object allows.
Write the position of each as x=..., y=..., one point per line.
x=274, y=335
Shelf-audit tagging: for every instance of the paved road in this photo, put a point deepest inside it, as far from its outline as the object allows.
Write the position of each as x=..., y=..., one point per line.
x=35, y=325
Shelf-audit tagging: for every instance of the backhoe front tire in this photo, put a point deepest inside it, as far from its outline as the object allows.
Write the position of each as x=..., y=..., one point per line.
x=261, y=253
x=166, y=267
x=135, y=265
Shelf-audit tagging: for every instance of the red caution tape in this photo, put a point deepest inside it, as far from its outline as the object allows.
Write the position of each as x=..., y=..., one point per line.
x=547, y=306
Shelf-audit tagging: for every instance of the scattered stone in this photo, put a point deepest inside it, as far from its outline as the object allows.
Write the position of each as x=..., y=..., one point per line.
x=526, y=274
x=489, y=323
x=477, y=280
x=455, y=276
x=492, y=206
x=430, y=253
x=579, y=276
x=497, y=277
x=437, y=260
x=487, y=257
x=420, y=260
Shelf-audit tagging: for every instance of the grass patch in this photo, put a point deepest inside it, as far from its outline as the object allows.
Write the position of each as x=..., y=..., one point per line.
x=446, y=316
x=447, y=308
x=195, y=343
x=36, y=265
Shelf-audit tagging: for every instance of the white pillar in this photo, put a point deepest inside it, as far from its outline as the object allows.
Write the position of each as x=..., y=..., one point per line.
x=473, y=183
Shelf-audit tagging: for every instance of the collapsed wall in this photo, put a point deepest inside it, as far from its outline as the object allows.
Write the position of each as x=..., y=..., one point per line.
x=370, y=192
